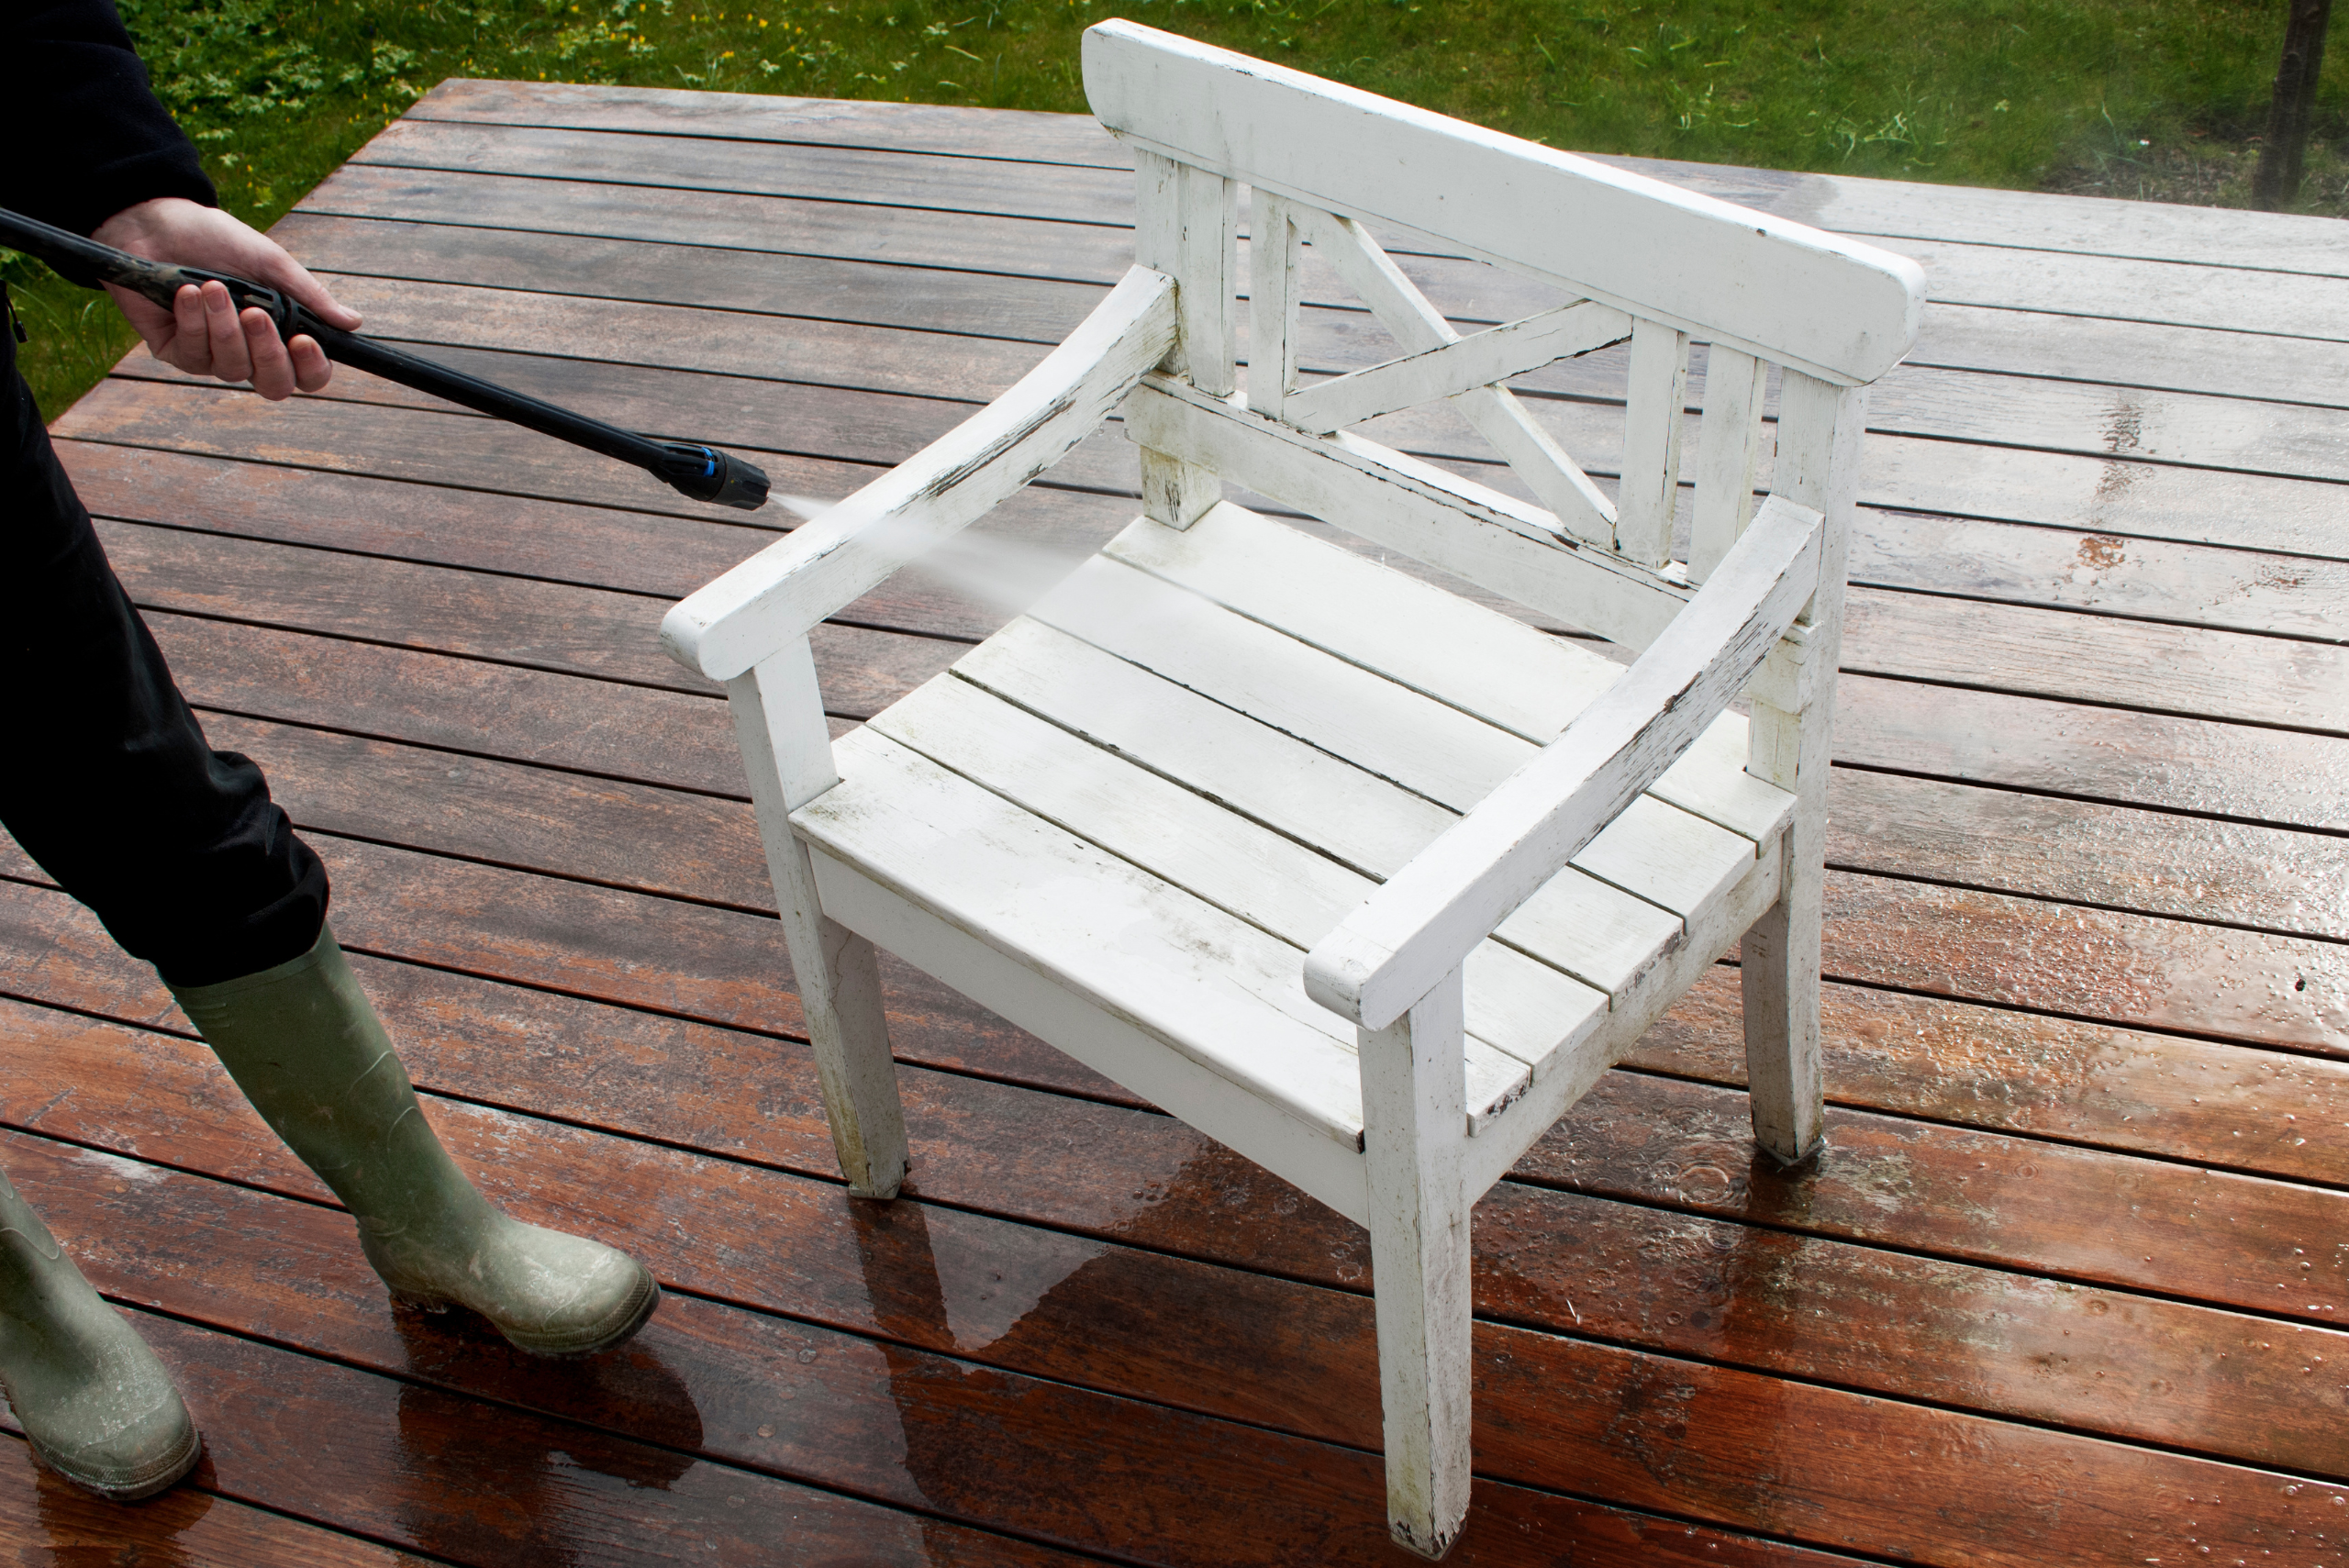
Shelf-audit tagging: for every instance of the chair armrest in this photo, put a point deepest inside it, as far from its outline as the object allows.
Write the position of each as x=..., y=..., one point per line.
x=1423, y=922
x=786, y=589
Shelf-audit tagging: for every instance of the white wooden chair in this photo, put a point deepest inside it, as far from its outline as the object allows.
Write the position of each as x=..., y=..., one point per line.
x=1361, y=878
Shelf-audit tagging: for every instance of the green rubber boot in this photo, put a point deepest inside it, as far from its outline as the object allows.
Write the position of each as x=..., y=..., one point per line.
x=305, y=1047
x=99, y=1408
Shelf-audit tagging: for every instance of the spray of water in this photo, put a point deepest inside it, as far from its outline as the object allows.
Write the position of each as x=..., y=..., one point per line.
x=1005, y=575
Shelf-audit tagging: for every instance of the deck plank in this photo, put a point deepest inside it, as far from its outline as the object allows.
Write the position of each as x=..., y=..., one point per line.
x=692, y=964
x=2158, y=668
x=2085, y=1081
x=724, y=1217
x=2276, y=571
x=2178, y=763
x=2192, y=868
x=2114, y=857
x=1064, y=192
x=1083, y=252
x=44, y=1520
x=2166, y=293
x=551, y=625
x=547, y=541
x=2091, y=225
x=1013, y=134
x=2095, y=225
x=1930, y=1200
x=423, y=294
x=2093, y=964
x=884, y=1420
x=2135, y=353
x=832, y=288
x=2189, y=671
x=2139, y=970
x=2121, y=464
x=422, y=1466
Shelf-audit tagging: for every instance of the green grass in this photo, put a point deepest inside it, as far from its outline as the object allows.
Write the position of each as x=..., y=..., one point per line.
x=2150, y=97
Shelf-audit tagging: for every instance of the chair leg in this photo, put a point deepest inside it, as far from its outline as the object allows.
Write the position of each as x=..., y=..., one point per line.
x=779, y=722
x=1819, y=431
x=1779, y=975
x=1414, y=1122
x=839, y=987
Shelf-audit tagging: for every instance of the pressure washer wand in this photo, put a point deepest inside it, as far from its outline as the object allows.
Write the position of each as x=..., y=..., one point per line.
x=701, y=472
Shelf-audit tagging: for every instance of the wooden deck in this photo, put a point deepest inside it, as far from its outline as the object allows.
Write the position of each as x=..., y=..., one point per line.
x=2067, y=1287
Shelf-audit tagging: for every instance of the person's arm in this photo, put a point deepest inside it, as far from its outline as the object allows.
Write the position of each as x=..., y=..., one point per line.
x=89, y=149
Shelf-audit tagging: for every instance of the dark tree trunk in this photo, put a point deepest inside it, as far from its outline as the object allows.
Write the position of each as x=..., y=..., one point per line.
x=2278, y=183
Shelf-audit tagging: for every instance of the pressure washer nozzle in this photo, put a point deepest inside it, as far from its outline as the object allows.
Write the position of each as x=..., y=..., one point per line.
x=706, y=473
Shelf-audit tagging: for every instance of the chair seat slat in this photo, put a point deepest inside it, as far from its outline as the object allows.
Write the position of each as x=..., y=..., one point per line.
x=1596, y=932
x=1413, y=632
x=1431, y=750
x=1588, y=782
x=1223, y=993
x=1516, y=1003
x=1461, y=653
x=1385, y=728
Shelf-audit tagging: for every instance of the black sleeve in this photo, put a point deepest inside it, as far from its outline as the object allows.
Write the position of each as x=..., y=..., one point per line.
x=81, y=134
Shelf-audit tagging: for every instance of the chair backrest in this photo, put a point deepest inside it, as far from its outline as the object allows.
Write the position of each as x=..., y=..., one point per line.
x=1635, y=260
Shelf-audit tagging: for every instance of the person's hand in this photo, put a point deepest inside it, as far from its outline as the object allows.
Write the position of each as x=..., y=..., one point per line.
x=204, y=334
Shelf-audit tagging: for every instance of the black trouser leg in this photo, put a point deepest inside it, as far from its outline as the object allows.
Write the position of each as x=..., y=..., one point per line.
x=106, y=780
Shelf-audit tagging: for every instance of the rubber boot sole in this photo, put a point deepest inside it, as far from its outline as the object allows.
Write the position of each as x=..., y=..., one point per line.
x=160, y=1476
x=620, y=1325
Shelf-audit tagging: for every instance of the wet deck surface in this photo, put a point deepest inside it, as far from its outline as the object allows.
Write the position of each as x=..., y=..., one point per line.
x=2067, y=1287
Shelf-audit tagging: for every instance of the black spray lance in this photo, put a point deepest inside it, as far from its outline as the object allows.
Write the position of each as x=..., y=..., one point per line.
x=701, y=472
